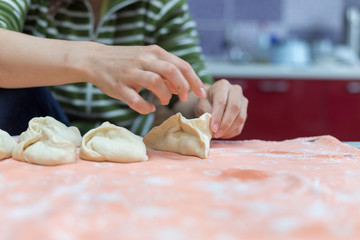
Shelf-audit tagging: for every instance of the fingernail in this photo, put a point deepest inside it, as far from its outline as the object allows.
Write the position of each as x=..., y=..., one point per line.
x=203, y=92
x=153, y=108
x=215, y=127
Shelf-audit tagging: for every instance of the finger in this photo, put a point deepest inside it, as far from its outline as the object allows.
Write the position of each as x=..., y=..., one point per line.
x=135, y=101
x=170, y=86
x=235, y=131
x=219, y=101
x=239, y=122
x=196, y=85
x=202, y=106
x=232, y=110
x=154, y=83
x=171, y=74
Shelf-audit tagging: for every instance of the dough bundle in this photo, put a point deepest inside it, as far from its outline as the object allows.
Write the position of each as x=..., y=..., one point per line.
x=181, y=135
x=7, y=145
x=37, y=124
x=48, y=142
x=112, y=143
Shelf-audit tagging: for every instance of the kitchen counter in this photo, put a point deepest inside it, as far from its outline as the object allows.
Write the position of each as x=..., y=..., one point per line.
x=354, y=144
x=223, y=68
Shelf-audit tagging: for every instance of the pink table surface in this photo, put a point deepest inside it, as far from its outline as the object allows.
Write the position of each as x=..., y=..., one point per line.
x=306, y=188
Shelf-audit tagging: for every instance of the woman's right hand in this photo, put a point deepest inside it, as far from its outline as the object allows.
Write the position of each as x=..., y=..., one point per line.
x=122, y=71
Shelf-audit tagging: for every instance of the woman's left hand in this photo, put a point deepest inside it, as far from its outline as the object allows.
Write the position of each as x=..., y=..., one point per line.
x=228, y=107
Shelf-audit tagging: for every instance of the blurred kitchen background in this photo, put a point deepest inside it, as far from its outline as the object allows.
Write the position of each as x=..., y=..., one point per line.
x=297, y=61
x=244, y=30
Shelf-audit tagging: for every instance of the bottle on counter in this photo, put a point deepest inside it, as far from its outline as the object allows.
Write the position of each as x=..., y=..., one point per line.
x=264, y=43
x=352, y=29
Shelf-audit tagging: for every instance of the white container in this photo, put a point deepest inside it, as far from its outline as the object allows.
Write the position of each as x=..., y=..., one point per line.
x=293, y=52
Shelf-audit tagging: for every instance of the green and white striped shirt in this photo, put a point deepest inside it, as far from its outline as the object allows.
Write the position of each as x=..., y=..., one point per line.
x=166, y=23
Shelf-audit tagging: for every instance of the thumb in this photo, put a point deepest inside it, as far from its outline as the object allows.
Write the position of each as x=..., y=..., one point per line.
x=203, y=106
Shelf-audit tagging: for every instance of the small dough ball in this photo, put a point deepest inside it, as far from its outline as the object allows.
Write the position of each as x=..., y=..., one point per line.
x=7, y=145
x=45, y=148
x=112, y=143
x=58, y=128
x=180, y=135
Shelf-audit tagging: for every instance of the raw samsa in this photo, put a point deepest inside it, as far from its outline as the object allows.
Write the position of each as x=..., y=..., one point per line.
x=47, y=142
x=112, y=143
x=37, y=124
x=7, y=145
x=180, y=135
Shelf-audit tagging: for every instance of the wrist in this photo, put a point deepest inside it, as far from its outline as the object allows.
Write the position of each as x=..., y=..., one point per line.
x=82, y=61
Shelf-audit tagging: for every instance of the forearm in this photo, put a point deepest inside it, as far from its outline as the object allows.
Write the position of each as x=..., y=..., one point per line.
x=27, y=61
x=118, y=71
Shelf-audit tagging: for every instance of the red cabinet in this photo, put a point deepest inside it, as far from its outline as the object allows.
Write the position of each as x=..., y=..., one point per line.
x=284, y=109
x=343, y=105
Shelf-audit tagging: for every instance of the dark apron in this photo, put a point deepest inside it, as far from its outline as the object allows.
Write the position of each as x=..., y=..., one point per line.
x=19, y=106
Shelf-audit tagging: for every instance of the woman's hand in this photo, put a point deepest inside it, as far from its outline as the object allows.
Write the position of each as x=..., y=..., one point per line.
x=118, y=71
x=122, y=71
x=228, y=107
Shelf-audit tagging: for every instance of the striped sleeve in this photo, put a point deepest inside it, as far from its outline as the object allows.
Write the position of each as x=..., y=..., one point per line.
x=13, y=14
x=177, y=34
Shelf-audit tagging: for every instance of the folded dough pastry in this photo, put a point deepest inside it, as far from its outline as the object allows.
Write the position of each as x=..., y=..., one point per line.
x=36, y=125
x=47, y=142
x=45, y=148
x=112, y=143
x=181, y=135
x=7, y=145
